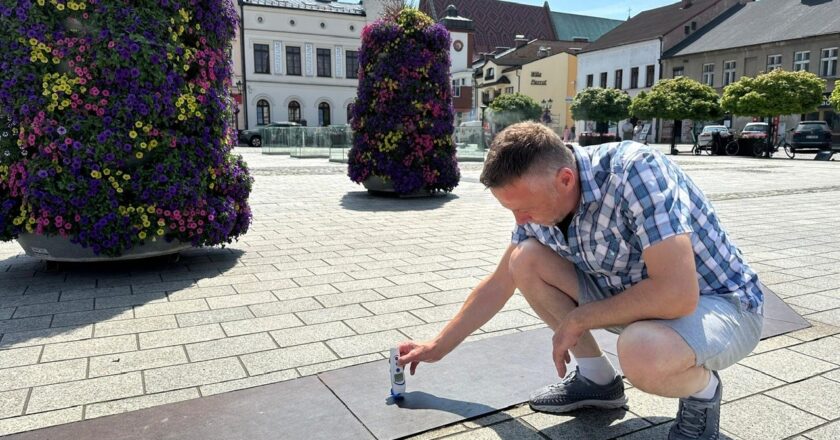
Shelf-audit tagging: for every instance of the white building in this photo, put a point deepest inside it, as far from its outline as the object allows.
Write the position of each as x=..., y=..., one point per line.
x=629, y=56
x=300, y=59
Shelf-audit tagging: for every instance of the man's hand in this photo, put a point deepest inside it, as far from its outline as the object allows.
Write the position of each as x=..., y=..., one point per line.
x=566, y=336
x=414, y=353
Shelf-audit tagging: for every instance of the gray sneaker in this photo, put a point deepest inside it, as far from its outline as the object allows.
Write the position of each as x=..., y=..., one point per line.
x=698, y=418
x=576, y=391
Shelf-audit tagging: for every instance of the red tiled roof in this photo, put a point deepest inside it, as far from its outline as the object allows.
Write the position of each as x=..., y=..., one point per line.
x=497, y=22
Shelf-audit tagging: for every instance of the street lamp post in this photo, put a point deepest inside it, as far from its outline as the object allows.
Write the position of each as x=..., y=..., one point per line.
x=483, y=140
x=546, y=106
x=236, y=109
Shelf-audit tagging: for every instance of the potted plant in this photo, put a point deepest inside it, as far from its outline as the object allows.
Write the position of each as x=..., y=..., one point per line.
x=119, y=132
x=402, y=115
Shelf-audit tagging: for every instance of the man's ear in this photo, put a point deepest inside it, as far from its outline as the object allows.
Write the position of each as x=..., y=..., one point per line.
x=563, y=178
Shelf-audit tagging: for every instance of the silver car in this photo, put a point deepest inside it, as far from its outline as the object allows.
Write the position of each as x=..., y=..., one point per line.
x=705, y=137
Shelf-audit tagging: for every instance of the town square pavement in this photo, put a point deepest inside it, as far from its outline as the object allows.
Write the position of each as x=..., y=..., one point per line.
x=330, y=277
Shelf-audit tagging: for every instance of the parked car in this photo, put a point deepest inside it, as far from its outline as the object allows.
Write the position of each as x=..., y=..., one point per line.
x=705, y=136
x=755, y=130
x=253, y=137
x=811, y=135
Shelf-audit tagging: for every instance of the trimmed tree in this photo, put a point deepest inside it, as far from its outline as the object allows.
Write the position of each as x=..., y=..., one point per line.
x=402, y=115
x=834, y=99
x=601, y=105
x=511, y=108
x=774, y=93
x=677, y=99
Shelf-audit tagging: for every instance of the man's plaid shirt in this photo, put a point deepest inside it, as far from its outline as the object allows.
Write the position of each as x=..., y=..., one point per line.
x=633, y=197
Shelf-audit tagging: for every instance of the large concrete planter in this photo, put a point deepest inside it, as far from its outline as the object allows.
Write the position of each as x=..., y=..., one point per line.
x=57, y=248
x=379, y=186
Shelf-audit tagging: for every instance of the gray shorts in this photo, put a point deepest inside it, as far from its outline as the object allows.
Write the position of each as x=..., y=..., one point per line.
x=718, y=332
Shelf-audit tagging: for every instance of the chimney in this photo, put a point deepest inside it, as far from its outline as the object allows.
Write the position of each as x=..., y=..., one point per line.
x=686, y=4
x=520, y=41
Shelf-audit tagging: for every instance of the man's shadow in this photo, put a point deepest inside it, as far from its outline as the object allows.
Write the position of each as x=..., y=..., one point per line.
x=579, y=426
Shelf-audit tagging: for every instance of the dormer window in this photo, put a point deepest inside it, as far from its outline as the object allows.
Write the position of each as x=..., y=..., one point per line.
x=490, y=73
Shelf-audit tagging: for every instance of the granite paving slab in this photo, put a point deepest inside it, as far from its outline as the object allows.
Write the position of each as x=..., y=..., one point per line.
x=285, y=410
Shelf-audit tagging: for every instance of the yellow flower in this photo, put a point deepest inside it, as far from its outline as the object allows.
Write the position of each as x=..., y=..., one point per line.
x=139, y=155
x=126, y=177
x=142, y=235
x=160, y=232
x=106, y=172
x=132, y=134
x=138, y=124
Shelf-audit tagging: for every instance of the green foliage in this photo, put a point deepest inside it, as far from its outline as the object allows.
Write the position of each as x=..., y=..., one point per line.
x=835, y=97
x=678, y=98
x=511, y=108
x=601, y=105
x=775, y=93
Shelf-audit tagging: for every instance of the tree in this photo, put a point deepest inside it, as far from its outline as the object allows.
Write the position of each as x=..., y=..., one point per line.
x=511, y=108
x=402, y=115
x=775, y=93
x=835, y=98
x=677, y=99
x=601, y=105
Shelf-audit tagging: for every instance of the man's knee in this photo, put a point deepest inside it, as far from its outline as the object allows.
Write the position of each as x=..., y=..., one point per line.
x=524, y=259
x=649, y=351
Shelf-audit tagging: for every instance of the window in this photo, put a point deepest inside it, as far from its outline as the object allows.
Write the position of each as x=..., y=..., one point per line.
x=728, y=72
x=828, y=62
x=678, y=71
x=490, y=73
x=709, y=75
x=456, y=88
x=349, y=112
x=801, y=61
x=634, y=78
x=589, y=80
x=649, y=79
x=324, y=64
x=352, y=63
x=508, y=89
x=774, y=62
x=603, y=80
x=686, y=29
x=619, y=79
x=293, y=61
x=261, y=58
x=323, y=114
x=294, y=111
x=263, y=112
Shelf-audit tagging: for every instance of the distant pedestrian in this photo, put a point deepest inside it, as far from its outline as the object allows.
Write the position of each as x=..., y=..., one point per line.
x=566, y=133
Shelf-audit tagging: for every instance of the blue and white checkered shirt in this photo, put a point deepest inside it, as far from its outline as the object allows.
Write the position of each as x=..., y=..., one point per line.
x=634, y=197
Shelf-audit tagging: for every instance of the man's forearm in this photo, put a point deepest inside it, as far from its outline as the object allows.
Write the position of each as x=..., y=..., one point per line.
x=482, y=304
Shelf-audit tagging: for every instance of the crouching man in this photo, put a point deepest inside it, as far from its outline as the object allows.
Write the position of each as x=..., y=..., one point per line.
x=614, y=237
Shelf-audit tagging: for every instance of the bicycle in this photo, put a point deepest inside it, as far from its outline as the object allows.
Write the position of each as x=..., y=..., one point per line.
x=764, y=148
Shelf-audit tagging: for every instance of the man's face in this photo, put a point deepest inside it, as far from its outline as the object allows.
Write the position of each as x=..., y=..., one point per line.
x=543, y=199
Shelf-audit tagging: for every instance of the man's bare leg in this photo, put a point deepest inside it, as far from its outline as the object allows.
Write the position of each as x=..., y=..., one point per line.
x=549, y=283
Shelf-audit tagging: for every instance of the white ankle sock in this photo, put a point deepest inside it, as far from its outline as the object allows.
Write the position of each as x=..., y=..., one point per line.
x=709, y=391
x=597, y=369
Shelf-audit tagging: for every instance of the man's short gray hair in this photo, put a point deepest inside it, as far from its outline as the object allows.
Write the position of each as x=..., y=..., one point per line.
x=524, y=148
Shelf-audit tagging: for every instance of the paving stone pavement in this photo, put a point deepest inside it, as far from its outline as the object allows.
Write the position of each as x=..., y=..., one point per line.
x=330, y=277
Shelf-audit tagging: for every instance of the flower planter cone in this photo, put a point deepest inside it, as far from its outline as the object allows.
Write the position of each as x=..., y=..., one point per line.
x=116, y=129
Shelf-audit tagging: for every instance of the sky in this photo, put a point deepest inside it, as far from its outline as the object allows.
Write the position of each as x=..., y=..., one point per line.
x=616, y=9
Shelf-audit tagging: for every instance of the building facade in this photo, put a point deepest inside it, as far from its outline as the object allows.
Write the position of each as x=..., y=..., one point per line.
x=629, y=56
x=299, y=60
x=542, y=70
x=461, y=32
x=727, y=51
